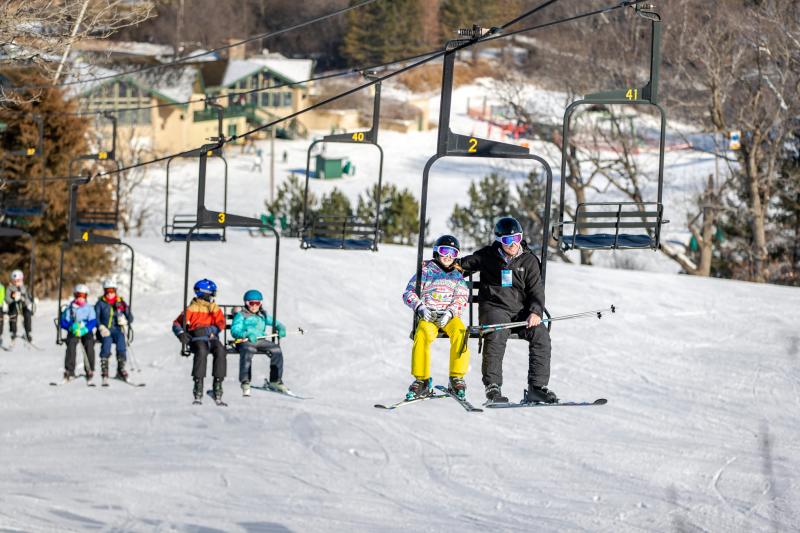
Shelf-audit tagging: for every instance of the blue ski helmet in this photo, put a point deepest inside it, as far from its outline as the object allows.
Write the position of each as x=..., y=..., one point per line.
x=205, y=289
x=251, y=295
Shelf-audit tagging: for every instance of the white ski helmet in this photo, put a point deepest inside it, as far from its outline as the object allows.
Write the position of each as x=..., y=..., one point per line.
x=17, y=275
x=109, y=283
x=81, y=288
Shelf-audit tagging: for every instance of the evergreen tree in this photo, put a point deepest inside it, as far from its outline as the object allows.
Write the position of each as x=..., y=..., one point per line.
x=399, y=213
x=529, y=207
x=335, y=204
x=289, y=203
x=64, y=139
x=488, y=201
x=382, y=32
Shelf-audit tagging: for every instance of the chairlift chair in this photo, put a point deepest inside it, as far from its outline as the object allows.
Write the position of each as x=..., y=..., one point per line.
x=178, y=229
x=451, y=144
x=610, y=225
x=219, y=220
x=97, y=219
x=19, y=207
x=345, y=232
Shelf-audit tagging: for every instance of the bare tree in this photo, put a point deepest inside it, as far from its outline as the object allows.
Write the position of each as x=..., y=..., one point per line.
x=741, y=62
x=37, y=32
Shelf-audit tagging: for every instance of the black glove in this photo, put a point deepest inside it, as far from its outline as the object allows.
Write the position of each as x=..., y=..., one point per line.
x=185, y=338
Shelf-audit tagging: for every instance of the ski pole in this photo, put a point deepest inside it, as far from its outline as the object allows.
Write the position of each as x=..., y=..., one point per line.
x=488, y=328
x=300, y=331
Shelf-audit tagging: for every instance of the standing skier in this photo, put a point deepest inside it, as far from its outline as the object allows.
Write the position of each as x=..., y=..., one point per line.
x=113, y=316
x=79, y=320
x=512, y=291
x=204, y=321
x=19, y=300
x=249, y=328
x=443, y=296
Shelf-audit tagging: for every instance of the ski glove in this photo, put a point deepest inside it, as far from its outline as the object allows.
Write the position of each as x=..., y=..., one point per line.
x=184, y=337
x=104, y=332
x=444, y=318
x=424, y=313
x=122, y=320
x=281, y=330
x=252, y=339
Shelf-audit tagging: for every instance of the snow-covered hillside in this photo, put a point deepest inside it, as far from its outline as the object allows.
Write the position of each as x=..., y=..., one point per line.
x=699, y=434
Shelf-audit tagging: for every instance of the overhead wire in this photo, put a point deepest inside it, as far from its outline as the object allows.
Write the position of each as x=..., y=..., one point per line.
x=462, y=45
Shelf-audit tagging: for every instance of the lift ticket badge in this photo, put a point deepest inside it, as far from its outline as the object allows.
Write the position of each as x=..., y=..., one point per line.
x=506, y=278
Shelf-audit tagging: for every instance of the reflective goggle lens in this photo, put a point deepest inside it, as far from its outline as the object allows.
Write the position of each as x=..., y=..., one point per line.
x=253, y=302
x=449, y=251
x=508, y=240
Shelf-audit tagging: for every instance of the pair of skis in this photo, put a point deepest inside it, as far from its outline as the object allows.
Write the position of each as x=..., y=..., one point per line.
x=266, y=388
x=445, y=393
x=89, y=383
x=491, y=405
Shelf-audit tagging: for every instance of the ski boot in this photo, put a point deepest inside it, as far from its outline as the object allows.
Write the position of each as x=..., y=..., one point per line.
x=536, y=394
x=217, y=393
x=458, y=387
x=104, y=371
x=68, y=376
x=278, y=386
x=494, y=395
x=198, y=390
x=122, y=374
x=419, y=389
x=245, y=388
x=89, y=375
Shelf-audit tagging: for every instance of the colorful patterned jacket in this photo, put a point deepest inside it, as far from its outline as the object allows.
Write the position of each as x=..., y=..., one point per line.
x=440, y=290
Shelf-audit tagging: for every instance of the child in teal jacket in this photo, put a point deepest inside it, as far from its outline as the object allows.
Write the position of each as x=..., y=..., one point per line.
x=249, y=328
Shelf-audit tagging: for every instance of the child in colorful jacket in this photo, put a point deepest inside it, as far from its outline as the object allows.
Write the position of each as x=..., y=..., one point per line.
x=443, y=297
x=200, y=335
x=79, y=319
x=113, y=316
x=249, y=328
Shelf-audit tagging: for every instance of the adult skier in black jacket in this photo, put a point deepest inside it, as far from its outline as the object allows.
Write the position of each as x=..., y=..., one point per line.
x=512, y=291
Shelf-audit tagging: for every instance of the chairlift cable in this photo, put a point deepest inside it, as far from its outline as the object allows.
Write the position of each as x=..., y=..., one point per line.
x=465, y=44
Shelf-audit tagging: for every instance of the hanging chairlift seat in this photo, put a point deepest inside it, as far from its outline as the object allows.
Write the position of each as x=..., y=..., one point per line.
x=178, y=231
x=619, y=217
x=341, y=232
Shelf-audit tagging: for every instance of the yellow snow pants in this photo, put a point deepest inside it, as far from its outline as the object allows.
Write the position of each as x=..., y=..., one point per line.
x=421, y=352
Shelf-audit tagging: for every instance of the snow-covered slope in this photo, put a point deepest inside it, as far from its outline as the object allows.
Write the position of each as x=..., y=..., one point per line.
x=699, y=434
x=701, y=375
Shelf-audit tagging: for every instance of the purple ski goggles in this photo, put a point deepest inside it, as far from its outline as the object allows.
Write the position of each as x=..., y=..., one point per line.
x=449, y=251
x=508, y=240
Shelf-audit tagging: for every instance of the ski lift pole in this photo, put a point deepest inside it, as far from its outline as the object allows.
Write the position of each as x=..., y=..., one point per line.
x=489, y=328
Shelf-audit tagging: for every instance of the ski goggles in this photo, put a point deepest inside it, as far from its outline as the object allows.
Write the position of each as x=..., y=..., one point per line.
x=449, y=251
x=253, y=302
x=508, y=240
x=81, y=295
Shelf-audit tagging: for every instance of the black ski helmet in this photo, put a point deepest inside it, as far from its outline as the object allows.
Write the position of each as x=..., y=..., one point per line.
x=445, y=240
x=507, y=226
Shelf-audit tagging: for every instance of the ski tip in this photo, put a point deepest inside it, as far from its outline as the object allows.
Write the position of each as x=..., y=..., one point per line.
x=600, y=401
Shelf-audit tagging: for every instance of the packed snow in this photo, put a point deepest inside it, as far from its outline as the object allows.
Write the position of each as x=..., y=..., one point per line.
x=699, y=433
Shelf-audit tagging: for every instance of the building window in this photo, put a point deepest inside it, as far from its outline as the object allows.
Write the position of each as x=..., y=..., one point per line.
x=287, y=99
x=275, y=100
x=265, y=99
x=231, y=130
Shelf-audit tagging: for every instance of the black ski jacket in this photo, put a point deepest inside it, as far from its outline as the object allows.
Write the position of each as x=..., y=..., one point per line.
x=527, y=290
